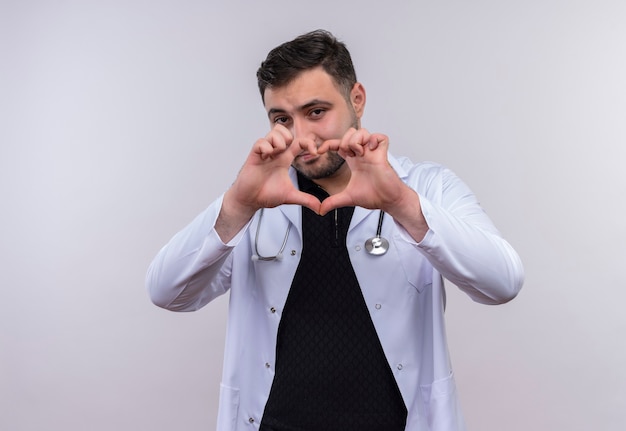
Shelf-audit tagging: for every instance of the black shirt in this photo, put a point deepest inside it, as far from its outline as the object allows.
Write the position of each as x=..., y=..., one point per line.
x=331, y=371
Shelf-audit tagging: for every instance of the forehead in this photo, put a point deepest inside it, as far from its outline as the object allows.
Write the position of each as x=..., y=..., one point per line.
x=308, y=85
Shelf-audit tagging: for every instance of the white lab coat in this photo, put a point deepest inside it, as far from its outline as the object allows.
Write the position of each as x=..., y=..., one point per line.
x=403, y=289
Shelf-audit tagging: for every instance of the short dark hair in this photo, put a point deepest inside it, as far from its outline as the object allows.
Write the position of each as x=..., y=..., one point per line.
x=310, y=50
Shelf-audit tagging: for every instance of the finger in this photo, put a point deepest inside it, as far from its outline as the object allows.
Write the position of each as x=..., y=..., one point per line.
x=303, y=145
x=274, y=143
x=329, y=145
x=279, y=137
x=263, y=148
x=281, y=130
x=304, y=199
x=356, y=142
x=339, y=200
x=378, y=140
x=337, y=144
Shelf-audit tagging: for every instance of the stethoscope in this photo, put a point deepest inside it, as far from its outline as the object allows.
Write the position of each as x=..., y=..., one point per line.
x=376, y=246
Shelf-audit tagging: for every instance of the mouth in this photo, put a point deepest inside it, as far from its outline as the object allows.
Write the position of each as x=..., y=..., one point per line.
x=305, y=156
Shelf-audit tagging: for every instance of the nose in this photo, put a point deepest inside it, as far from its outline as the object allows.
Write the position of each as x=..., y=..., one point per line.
x=301, y=129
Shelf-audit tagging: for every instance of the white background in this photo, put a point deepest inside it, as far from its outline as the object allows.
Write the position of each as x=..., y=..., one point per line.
x=121, y=120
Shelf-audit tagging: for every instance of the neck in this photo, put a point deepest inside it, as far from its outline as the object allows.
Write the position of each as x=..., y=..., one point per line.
x=336, y=182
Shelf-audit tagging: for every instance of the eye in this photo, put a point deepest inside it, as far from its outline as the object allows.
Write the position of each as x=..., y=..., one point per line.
x=282, y=119
x=317, y=113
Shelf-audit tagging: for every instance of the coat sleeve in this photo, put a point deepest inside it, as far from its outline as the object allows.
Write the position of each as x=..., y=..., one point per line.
x=462, y=242
x=194, y=267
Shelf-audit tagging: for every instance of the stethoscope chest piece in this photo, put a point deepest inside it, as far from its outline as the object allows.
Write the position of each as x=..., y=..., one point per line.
x=377, y=246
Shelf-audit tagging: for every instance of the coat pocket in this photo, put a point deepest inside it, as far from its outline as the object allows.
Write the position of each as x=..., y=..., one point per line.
x=228, y=409
x=416, y=267
x=442, y=405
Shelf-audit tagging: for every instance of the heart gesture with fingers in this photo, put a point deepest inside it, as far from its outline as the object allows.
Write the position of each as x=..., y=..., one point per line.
x=316, y=129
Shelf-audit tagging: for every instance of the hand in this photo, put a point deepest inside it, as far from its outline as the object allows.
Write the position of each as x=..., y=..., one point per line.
x=373, y=183
x=263, y=181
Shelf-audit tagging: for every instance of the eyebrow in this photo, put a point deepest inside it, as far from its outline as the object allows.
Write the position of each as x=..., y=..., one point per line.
x=314, y=102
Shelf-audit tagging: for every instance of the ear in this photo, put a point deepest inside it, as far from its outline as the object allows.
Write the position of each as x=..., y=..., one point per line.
x=357, y=98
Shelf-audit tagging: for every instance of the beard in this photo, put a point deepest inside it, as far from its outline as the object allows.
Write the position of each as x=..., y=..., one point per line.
x=328, y=163
x=322, y=167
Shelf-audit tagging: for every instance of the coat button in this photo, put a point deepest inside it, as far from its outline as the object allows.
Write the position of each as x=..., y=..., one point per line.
x=378, y=306
x=400, y=366
x=273, y=310
x=293, y=252
x=251, y=420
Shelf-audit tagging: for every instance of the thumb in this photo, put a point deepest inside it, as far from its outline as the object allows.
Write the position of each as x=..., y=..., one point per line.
x=335, y=201
x=305, y=200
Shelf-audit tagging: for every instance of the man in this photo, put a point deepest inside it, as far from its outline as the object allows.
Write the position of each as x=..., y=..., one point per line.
x=334, y=253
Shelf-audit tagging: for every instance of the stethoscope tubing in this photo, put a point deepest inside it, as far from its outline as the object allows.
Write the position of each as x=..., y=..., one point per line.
x=376, y=246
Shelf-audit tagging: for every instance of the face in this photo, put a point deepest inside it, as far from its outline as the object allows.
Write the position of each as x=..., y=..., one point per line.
x=312, y=106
